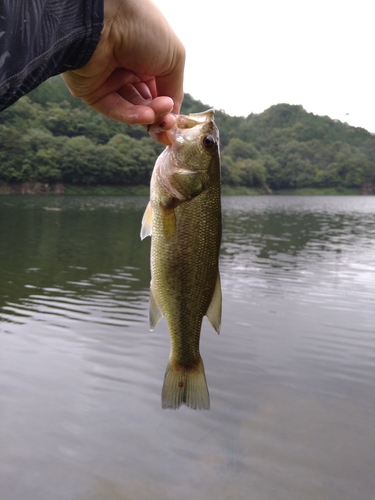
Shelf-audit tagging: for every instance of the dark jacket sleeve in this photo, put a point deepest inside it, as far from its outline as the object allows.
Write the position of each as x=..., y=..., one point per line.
x=42, y=38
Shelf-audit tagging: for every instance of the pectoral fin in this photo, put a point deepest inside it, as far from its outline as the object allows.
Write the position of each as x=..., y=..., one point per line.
x=155, y=313
x=146, y=229
x=214, y=309
x=169, y=222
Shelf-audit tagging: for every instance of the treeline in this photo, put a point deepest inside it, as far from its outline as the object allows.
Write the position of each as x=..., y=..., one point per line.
x=49, y=136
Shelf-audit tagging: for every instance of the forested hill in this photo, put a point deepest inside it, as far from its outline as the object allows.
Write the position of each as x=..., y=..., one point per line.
x=51, y=137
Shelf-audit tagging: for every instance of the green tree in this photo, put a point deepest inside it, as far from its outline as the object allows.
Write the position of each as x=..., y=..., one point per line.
x=78, y=161
x=49, y=135
x=237, y=149
x=252, y=173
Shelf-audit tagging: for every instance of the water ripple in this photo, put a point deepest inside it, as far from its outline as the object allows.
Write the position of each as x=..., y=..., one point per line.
x=291, y=375
x=83, y=301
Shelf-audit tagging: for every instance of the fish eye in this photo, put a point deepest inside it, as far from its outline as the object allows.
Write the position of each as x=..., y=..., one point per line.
x=208, y=142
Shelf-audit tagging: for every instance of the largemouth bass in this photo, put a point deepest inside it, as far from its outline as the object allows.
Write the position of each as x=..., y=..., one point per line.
x=184, y=219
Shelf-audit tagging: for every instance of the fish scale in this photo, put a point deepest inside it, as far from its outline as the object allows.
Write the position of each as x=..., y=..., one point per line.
x=183, y=219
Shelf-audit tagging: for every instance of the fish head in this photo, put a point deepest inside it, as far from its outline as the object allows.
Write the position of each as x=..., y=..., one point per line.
x=191, y=162
x=195, y=141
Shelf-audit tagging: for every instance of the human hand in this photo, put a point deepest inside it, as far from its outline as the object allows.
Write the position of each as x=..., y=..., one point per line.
x=136, y=72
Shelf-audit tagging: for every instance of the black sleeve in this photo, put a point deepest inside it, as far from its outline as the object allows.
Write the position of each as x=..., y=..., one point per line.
x=42, y=38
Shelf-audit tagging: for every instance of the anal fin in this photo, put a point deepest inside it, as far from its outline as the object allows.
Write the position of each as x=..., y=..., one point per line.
x=155, y=313
x=214, y=309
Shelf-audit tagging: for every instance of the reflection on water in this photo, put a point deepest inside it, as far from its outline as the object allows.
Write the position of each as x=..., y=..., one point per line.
x=291, y=376
x=101, y=299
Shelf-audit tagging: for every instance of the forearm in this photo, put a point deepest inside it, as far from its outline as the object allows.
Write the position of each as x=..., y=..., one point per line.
x=42, y=38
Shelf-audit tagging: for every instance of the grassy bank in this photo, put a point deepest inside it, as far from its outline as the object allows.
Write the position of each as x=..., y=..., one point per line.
x=66, y=189
x=57, y=189
x=319, y=192
x=108, y=190
x=241, y=191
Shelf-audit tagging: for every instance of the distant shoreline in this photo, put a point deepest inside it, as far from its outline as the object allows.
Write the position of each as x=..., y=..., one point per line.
x=39, y=188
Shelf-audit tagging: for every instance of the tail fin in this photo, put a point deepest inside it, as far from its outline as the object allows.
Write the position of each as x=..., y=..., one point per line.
x=185, y=387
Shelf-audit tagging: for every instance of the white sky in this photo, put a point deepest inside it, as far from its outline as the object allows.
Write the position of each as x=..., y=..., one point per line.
x=244, y=56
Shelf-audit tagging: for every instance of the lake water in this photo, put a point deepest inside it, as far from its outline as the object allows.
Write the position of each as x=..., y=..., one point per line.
x=291, y=376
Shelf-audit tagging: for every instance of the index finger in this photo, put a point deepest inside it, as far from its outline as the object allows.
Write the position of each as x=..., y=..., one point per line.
x=171, y=83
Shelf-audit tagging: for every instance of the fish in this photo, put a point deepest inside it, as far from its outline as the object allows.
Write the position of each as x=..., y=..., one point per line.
x=183, y=218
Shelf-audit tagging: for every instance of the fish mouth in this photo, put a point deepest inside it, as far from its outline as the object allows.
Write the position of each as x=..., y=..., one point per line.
x=193, y=119
x=183, y=122
x=188, y=122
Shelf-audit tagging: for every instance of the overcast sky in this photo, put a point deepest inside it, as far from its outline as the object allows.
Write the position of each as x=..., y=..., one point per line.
x=243, y=56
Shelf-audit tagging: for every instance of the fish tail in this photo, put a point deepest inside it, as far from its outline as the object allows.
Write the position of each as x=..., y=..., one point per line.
x=187, y=387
